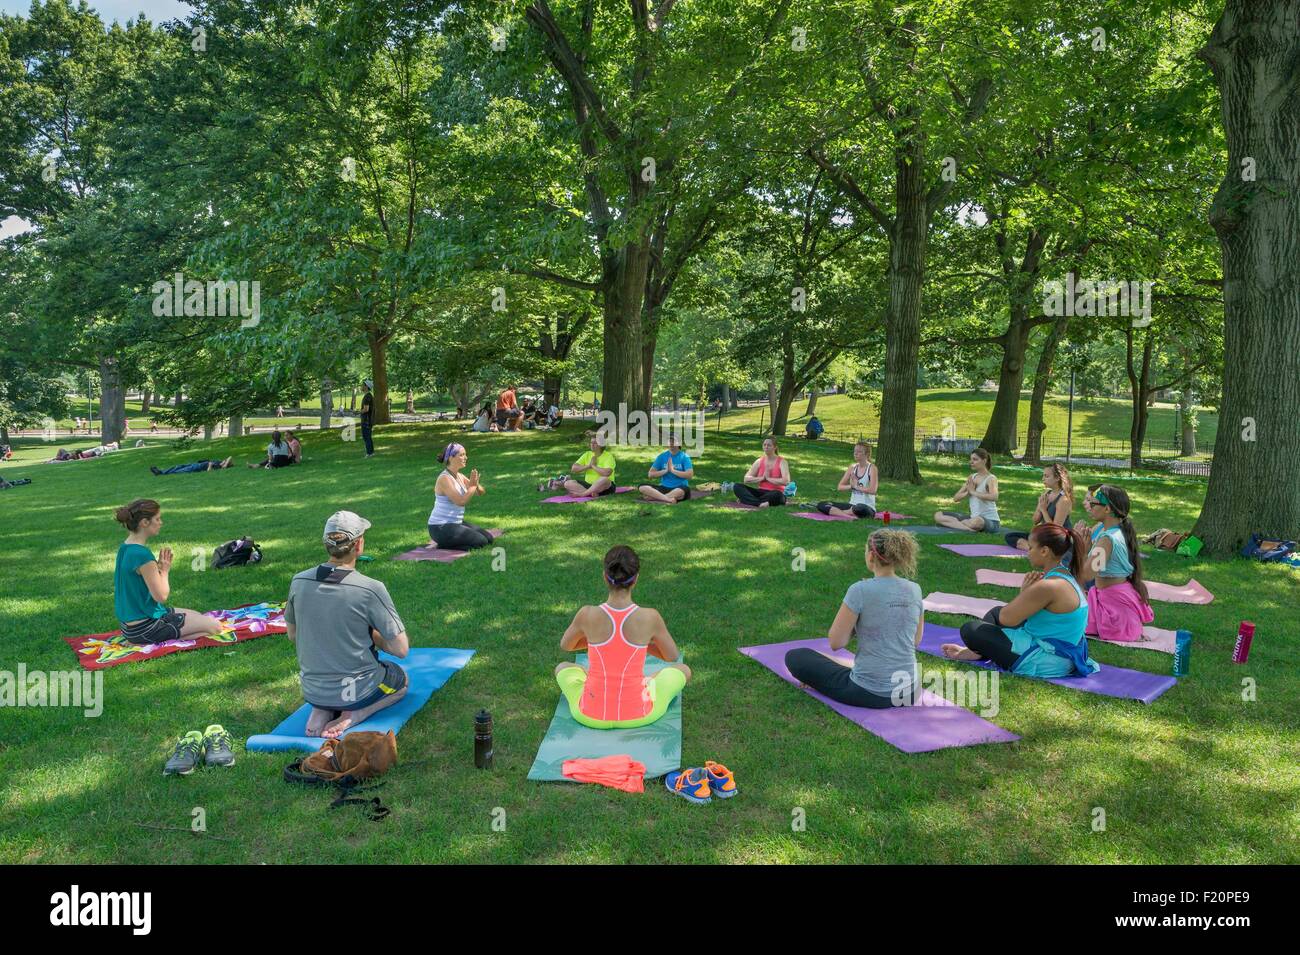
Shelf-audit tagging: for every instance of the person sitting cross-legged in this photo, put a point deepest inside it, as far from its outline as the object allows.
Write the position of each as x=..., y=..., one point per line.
x=674, y=471
x=612, y=691
x=339, y=620
x=593, y=472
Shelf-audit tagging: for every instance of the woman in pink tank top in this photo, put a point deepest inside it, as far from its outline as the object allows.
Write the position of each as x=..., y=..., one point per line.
x=772, y=473
x=613, y=689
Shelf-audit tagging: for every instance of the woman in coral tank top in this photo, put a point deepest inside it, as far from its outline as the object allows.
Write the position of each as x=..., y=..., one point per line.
x=613, y=691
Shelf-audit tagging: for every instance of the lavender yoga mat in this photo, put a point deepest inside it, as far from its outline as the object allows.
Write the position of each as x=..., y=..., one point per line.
x=983, y=550
x=1190, y=593
x=430, y=552
x=1108, y=681
x=1153, y=638
x=934, y=724
x=570, y=499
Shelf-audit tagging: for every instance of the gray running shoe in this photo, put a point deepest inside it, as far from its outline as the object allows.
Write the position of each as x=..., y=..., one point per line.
x=216, y=746
x=189, y=748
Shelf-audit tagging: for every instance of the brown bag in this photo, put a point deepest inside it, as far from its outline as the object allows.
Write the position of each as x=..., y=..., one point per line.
x=356, y=756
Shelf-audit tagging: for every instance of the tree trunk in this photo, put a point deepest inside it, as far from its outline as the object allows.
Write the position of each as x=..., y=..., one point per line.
x=812, y=403
x=112, y=400
x=1254, y=485
x=896, y=447
x=772, y=400
x=410, y=401
x=1003, y=426
x=146, y=398
x=236, y=425
x=781, y=413
x=1185, y=412
x=726, y=397
x=176, y=401
x=676, y=400
x=622, y=379
x=1042, y=380
x=1140, y=389
x=207, y=432
x=326, y=403
x=379, y=375
x=649, y=340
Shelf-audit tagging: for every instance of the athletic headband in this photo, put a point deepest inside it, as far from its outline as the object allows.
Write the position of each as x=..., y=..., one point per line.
x=451, y=451
x=621, y=583
x=1100, y=497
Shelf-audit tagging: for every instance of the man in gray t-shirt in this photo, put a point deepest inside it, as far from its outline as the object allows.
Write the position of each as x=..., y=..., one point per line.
x=338, y=620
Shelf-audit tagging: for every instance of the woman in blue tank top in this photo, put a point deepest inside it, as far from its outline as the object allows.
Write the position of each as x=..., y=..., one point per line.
x=1041, y=632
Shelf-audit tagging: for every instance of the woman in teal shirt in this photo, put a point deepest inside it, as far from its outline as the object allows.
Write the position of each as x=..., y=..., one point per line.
x=1040, y=633
x=141, y=584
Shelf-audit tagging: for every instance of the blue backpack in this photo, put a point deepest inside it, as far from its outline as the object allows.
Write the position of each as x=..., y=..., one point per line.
x=1269, y=551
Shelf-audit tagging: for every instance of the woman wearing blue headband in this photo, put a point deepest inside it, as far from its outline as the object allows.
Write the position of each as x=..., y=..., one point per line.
x=447, y=525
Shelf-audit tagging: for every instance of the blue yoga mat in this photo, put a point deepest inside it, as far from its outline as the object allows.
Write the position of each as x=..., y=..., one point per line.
x=658, y=746
x=427, y=669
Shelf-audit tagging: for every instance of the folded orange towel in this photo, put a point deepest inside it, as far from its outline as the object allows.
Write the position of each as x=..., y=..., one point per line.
x=617, y=772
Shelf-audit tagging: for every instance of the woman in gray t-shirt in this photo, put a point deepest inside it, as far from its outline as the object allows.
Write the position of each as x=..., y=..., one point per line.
x=885, y=613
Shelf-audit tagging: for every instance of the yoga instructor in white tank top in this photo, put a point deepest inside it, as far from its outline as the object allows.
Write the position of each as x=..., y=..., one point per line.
x=982, y=490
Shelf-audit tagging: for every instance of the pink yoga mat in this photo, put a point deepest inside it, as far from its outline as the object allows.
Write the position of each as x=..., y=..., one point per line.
x=1153, y=638
x=819, y=516
x=935, y=724
x=983, y=550
x=431, y=552
x=570, y=499
x=1191, y=593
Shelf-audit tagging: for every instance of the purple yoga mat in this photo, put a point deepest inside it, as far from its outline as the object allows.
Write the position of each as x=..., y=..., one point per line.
x=1108, y=681
x=819, y=516
x=430, y=552
x=570, y=499
x=935, y=724
x=984, y=550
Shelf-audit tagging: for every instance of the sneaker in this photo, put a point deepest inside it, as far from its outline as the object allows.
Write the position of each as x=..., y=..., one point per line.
x=722, y=781
x=216, y=746
x=189, y=748
x=155, y=469
x=692, y=784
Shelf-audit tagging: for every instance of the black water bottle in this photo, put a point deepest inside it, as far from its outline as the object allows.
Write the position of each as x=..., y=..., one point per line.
x=483, y=739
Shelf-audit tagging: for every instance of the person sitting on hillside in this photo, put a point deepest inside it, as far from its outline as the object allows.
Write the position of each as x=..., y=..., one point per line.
x=673, y=470
x=613, y=691
x=593, y=473
x=338, y=620
x=278, y=453
x=509, y=417
x=814, y=429
x=982, y=489
x=295, y=447
x=194, y=467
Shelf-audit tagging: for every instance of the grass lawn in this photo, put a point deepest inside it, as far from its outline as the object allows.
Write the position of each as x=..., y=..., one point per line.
x=1105, y=420
x=1199, y=776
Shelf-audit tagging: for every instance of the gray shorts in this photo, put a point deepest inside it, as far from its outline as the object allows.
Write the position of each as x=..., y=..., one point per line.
x=990, y=527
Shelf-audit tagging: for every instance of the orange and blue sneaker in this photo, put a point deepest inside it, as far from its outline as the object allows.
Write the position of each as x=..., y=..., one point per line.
x=722, y=781
x=692, y=784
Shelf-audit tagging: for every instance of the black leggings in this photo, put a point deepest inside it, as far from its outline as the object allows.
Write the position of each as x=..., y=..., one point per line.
x=459, y=536
x=832, y=679
x=753, y=497
x=859, y=510
x=987, y=638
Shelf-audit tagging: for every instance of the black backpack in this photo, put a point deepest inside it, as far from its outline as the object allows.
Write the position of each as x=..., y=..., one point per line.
x=236, y=553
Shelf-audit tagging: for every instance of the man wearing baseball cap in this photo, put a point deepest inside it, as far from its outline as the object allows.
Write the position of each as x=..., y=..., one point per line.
x=367, y=416
x=339, y=620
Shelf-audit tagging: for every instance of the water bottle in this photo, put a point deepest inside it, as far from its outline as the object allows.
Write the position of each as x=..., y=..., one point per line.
x=790, y=490
x=483, y=740
x=1245, y=634
x=885, y=517
x=1182, y=652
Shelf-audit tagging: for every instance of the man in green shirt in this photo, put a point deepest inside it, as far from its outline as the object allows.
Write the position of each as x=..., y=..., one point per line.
x=593, y=473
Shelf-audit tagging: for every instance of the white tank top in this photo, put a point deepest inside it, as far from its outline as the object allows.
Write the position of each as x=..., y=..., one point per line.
x=981, y=508
x=856, y=484
x=445, y=511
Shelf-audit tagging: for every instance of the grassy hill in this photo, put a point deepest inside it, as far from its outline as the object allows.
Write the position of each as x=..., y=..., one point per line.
x=1198, y=776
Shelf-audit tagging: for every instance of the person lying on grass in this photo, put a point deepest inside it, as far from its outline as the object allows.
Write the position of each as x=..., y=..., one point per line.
x=142, y=583
x=1040, y=633
x=886, y=613
x=612, y=690
x=339, y=620
x=194, y=467
x=861, y=481
x=1054, y=504
x=673, y=470
x=594, y=471
x=982, y=489
x=447, y=525
x=771, y=473
x=1118, y=604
